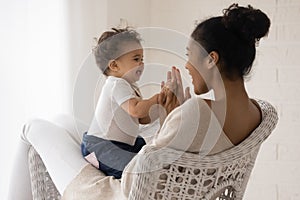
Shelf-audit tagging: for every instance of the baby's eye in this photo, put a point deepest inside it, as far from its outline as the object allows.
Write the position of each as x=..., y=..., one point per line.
x=138, y=59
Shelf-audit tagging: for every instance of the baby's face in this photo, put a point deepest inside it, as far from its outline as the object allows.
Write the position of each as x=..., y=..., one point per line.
x=131, y=65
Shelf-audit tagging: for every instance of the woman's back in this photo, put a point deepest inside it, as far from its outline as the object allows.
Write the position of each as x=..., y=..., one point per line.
x=238, y=114
x=241, y=119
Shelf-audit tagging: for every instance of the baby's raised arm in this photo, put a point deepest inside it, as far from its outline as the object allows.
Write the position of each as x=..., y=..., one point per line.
x=139, y=108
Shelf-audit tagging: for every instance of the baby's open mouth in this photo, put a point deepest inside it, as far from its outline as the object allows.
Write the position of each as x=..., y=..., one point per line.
x=139, y=72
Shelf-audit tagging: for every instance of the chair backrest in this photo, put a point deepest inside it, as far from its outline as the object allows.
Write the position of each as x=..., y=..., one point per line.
x=171, y=174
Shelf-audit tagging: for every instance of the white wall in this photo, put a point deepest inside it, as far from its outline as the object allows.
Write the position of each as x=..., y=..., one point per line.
x=136, y=12
x=86, y=20
x=276, y=78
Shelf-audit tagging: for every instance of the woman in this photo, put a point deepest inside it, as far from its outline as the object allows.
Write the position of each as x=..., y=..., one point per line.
x=220, y=54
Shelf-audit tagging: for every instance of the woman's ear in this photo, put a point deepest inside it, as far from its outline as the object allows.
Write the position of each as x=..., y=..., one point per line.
x=113, y=66
x=213, y=59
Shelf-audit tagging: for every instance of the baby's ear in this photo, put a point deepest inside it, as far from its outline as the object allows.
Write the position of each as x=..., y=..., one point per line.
x=113, y=66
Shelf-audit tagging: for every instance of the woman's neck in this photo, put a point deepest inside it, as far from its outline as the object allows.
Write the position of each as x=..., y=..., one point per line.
x=230, y=90
x=229, y=95
x=235, y=89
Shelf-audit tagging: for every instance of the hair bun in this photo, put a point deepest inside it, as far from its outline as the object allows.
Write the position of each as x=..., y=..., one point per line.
x=248, y=23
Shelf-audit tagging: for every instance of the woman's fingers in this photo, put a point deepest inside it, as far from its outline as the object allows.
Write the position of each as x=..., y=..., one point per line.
x=173, y=85
x=172, y=92
x=168, y=83
x=179, y=89
x=173, y=75
x=187, y=94
x=169, y=76
x=162, y=85
x=178, y=77
x=171, y=79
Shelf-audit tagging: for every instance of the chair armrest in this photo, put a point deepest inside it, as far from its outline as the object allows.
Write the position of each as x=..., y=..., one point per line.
x=41, y=182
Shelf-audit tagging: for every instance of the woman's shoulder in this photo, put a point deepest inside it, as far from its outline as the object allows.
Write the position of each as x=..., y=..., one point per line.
x=193, y=108
x=199, y=102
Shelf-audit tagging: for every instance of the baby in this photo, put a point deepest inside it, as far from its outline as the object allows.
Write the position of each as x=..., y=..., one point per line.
x=112, y=139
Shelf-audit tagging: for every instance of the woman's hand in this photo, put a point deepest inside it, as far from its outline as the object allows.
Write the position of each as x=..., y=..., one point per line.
x=182, y=96
x=172, y=94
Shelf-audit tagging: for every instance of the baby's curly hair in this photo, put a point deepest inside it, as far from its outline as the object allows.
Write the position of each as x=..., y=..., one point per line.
x=109, y=45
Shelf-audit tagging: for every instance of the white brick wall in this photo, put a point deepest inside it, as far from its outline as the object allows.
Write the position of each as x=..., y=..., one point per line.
x=275, y=77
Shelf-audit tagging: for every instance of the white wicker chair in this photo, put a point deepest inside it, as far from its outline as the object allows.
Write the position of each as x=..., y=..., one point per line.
x=41, y=183
x=176, y=175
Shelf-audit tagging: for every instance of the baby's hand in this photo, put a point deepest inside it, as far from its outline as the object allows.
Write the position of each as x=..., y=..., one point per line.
x=167, y=99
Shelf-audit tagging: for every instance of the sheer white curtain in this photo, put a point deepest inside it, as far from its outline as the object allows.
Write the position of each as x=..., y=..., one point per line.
x=34, y=70
x=42, y=45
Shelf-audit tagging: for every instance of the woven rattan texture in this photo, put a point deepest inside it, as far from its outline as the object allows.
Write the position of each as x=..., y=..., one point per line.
x=41, y=183
x=175, y=175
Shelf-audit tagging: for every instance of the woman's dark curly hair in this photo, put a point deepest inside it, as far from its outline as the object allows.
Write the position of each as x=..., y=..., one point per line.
x=233, y=36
